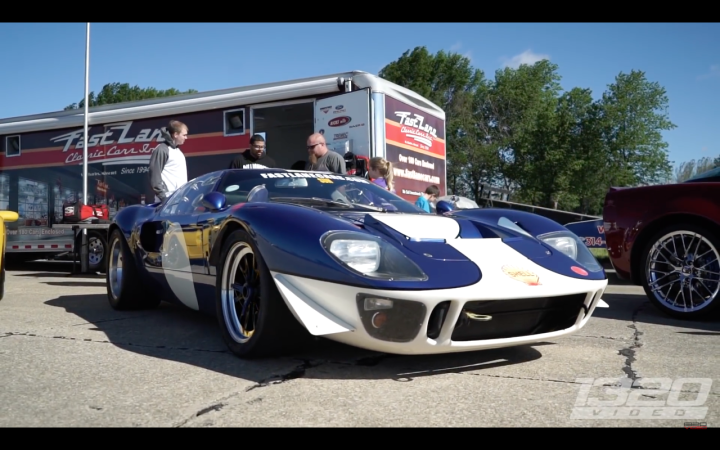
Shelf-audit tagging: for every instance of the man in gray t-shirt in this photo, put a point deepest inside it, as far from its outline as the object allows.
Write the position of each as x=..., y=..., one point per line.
x=321, y=158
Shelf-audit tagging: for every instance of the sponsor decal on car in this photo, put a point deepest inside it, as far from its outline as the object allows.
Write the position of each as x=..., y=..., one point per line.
x=522, y=275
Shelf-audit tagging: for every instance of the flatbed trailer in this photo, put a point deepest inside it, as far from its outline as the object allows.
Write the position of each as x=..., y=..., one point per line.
x=80, y=251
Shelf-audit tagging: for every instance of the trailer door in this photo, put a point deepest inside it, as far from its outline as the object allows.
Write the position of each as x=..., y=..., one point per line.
x=344, y=120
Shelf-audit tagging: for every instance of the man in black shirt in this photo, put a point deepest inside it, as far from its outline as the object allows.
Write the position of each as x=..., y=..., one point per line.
x=255, y=157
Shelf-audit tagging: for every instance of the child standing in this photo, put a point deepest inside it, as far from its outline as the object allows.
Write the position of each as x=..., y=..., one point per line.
x=430, y=194
x=380, y=172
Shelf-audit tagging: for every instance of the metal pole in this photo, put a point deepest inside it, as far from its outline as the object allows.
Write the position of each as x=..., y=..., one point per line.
x=84, y=236
x=85, y=134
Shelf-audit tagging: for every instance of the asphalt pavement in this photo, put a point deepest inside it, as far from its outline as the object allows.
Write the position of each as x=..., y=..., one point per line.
x=68, y=360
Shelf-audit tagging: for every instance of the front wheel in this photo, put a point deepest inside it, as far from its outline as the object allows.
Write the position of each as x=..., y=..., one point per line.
x=681, y=271
x=254, y=320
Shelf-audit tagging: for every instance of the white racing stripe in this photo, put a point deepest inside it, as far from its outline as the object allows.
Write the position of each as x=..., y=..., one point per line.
x=421, y=226
x=505, y=270
x=176, y=267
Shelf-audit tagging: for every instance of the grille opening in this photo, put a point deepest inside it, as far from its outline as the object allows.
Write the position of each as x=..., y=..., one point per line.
x=521, y=317
x=437, y=318
x=594, y=300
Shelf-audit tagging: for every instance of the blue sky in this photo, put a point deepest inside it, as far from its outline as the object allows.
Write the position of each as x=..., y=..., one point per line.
x=43, y=66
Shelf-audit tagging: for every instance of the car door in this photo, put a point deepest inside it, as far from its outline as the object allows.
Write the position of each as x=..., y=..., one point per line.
x=177, y=250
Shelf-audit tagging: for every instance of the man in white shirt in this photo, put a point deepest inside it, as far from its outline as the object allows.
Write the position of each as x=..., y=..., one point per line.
x=168, y=170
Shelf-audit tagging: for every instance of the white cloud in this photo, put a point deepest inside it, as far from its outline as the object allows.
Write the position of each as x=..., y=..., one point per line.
x=714, y=72
x=526, y=57
x=456, y=47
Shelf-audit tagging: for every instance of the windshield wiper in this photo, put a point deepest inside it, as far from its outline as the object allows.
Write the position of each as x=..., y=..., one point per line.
x=328, y=202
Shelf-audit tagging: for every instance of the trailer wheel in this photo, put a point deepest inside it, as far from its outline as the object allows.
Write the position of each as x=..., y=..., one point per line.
x=97, y=250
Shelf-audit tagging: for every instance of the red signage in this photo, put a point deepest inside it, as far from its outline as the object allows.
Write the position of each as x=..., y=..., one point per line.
x=415, y=145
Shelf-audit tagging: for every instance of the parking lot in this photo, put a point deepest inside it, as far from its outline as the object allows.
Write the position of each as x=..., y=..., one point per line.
x=67, y=359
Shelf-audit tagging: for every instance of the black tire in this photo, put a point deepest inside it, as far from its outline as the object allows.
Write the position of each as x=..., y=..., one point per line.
x=97, y=244
x=707, y=245
x=128, y=292
x=275, y=330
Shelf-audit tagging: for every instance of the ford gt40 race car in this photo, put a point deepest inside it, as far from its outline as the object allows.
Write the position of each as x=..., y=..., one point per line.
x=277, y=255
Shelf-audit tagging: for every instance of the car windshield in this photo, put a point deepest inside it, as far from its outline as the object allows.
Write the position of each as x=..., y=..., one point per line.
x=321, y=189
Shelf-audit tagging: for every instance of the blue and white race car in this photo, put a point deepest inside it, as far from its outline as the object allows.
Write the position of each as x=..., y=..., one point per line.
x=277, y=254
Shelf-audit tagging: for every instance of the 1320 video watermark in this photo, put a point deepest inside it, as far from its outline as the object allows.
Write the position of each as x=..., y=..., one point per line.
x=645, y=398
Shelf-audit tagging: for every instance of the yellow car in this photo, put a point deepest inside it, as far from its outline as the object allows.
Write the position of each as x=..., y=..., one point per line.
x=5, y=216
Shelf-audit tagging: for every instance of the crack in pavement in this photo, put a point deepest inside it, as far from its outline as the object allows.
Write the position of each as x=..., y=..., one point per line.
x=600, y=337
x=119, y=344
x=629, y=352
x=215, y=406
x=549, y=380
x=296, y=372
x=300, y=370
x=109, y=320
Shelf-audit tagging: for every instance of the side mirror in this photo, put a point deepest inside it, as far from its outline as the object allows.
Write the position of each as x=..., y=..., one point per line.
x=214, y=201
x=258, y=194
x=443, y=207
x=9, y=216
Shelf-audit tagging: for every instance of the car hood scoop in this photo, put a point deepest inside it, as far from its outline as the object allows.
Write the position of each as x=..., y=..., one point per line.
x=424, y=235
x=420, y=227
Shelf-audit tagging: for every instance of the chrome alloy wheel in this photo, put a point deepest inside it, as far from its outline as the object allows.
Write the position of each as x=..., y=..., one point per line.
x=240, y=292
x=115, y=268
x=683, y=271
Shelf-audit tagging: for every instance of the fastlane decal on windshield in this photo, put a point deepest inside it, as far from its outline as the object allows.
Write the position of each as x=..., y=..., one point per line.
x=313, y=175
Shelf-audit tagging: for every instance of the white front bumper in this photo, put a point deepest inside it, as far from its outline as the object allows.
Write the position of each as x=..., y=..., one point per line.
x=331, y=310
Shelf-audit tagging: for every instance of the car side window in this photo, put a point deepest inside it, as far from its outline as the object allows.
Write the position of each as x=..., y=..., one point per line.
x=187, y=199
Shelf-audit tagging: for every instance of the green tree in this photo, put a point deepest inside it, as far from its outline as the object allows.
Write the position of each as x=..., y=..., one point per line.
x=523, y=120
x=625, y=142
x=552, y=147
x=634, y=117
x=123, y=92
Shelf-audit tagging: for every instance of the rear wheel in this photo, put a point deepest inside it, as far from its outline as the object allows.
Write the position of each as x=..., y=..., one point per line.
x=122, y=279
x=681, y=271
x=254, y=320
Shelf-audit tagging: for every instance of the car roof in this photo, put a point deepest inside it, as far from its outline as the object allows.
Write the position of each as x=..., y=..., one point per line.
x=708, y=174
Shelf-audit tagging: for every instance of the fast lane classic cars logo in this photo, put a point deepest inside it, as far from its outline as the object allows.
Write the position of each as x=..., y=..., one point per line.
x=415, y=128
x=522, y=275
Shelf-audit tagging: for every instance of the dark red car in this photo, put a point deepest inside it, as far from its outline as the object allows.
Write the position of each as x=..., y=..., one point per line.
x=666, y=238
